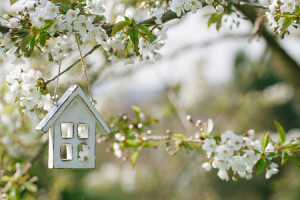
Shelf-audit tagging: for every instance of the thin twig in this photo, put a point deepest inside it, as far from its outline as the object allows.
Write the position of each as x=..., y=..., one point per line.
x=72, y=65
x=173, y=99
x=40, y=150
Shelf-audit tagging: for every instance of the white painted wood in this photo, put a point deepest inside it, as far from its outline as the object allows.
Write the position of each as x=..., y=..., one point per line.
x=63, y=102
x=51, y=149
x=77, y=118
x=78, y=113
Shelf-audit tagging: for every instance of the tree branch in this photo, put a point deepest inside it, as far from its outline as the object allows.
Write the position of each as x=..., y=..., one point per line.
x=285, y=66
x=256, y=5
x=4, y=29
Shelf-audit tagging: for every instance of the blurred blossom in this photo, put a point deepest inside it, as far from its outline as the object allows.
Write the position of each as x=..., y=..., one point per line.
x=279, y=93
x=127, y=178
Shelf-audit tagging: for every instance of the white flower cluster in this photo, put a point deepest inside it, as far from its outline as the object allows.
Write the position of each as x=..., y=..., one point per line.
x=280, y=8
x=180, y=7
x=117, y=150
x=148, y=51
x=236, y=152
x=24, y=86
x=43, y=14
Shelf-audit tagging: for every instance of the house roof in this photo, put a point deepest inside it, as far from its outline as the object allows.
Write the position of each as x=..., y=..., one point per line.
x=62, y=104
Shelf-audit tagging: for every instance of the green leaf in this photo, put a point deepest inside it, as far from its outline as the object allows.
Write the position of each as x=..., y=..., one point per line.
x=14, y=193
x=150, y=36
x=270, y=155
x=265, y=141
x=285, y=157
x=260, y=166
x=13, y=1
x=26, y=40
x=217, y=138
x=30, y=187
x=281, y=132
x=128, y=47
x=132, y=143
x=285, y=25
x=256, y=151
x=48, y=24
x=215, y=18
x=119, y=26
x=187, y=145
x=135, y=39
x=148, y=144
x=43, y=39
x=127, y=20
x=135, y=109
x=295, y=160
x=134, y=157
x=32, y=43
x=8, y=179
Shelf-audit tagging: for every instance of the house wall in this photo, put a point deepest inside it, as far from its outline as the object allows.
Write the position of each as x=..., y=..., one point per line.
x=76, y=112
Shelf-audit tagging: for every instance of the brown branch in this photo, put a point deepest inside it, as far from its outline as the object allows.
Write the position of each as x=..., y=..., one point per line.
x=4, y=29
x=285, y=66
x=256, y=5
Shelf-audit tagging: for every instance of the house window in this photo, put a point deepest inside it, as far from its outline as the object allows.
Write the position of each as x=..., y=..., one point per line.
x=66, y=130
x=83, y=131
x=83, y=154
x=66, y=152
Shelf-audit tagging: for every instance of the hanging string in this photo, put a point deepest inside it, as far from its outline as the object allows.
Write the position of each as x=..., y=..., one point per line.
x=56, y=86
x=85, y=72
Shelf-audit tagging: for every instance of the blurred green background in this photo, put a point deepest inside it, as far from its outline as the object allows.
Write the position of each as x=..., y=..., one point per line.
x=239, y=84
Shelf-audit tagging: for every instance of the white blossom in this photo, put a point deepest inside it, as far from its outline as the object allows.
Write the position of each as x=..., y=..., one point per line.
x=117, y=150
x=225, y=137
x=220, y=164
x=236, y=142
x=96, y=6
x=192, y=5
x=219, y=9
x=271, y=170
x=72, y=15
x=251, y=158
x=177, y=7
x=51, y=10
x=209, y=145
x=223, y=175
x=119, y=137
x=14, y=23
x=238, y=164
x=157, y=13
x=209, y=1
x=206, y=166
x=224, y=152
x=83, y=155
x=38, y=18
x=82, y=25
x=58, y=25
x=287, y=6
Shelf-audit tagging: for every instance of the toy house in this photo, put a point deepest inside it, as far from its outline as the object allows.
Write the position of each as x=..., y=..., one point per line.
x=72, y=128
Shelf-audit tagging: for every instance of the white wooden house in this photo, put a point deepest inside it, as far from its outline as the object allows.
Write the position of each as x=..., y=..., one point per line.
x=72, y=128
